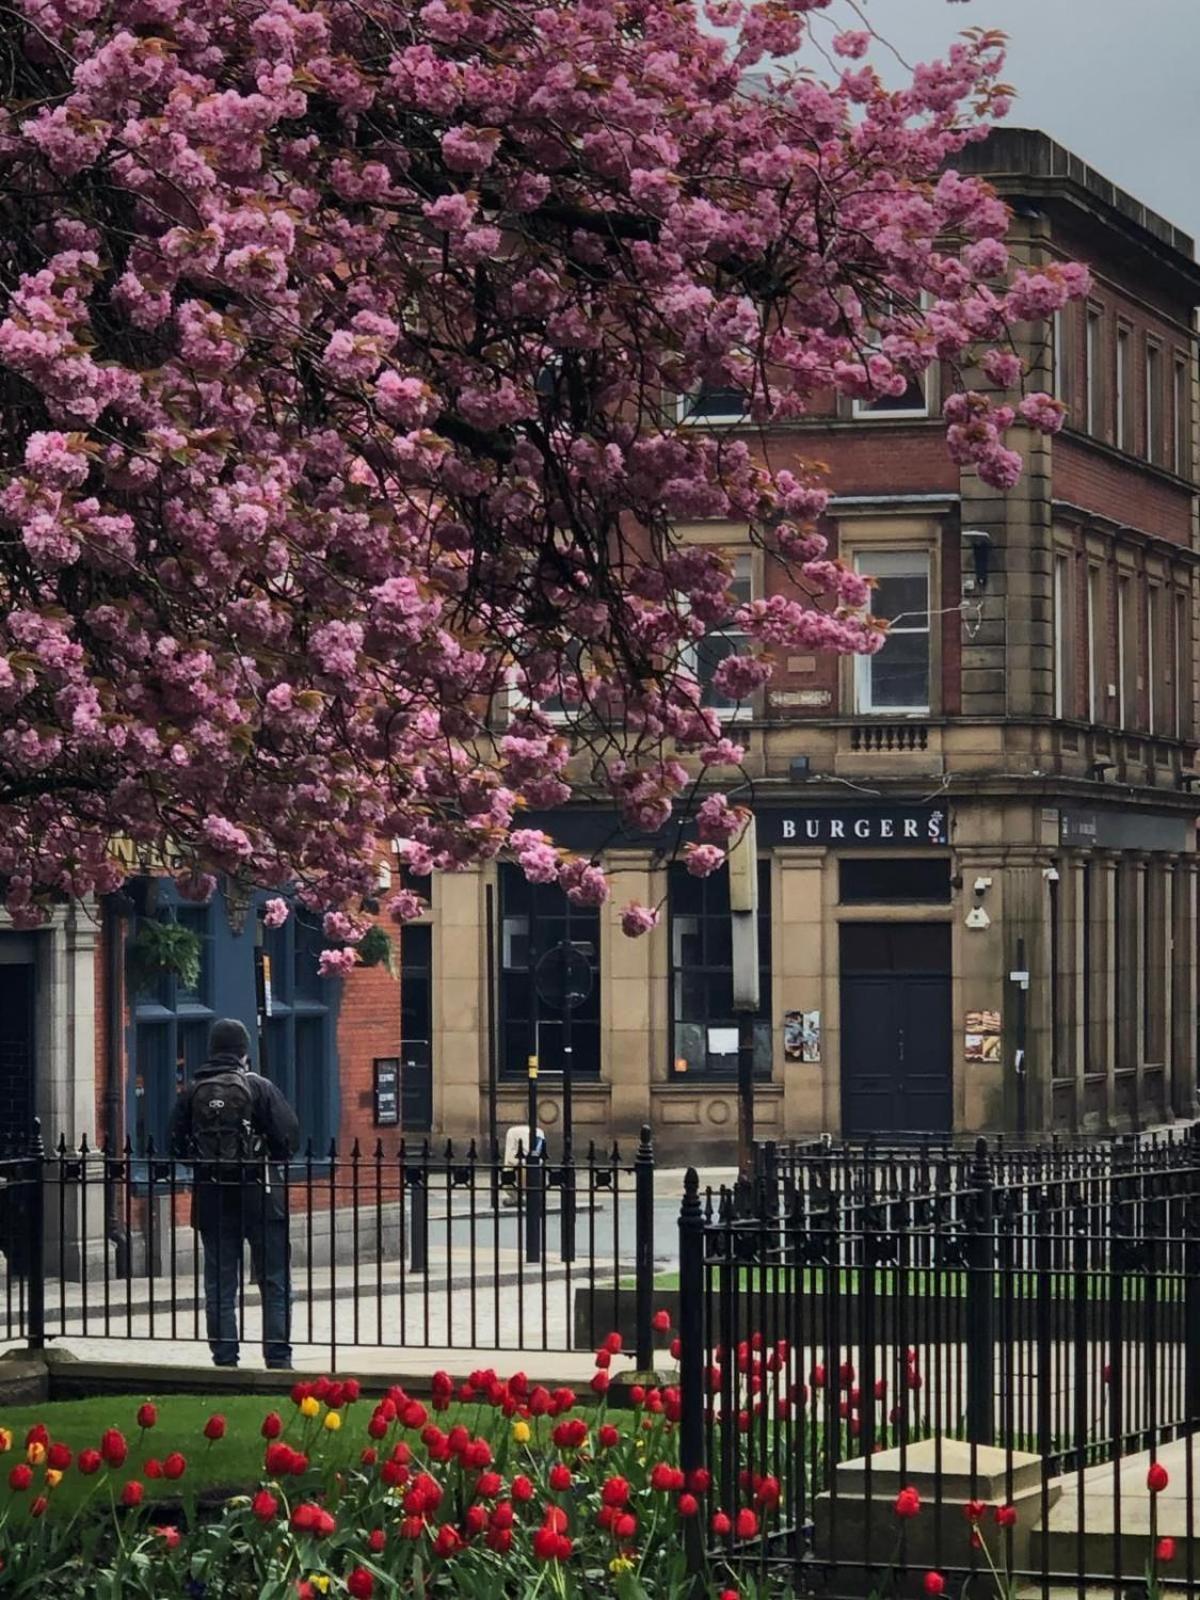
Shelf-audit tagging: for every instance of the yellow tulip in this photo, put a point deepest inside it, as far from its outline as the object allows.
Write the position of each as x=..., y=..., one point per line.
x=620, y=1564
x=35, y=1454
x=53, y=1477
x=319, y=1580
x=309, y=1406
x=521, y=1432
x=5, y=1440
x=333, y=1422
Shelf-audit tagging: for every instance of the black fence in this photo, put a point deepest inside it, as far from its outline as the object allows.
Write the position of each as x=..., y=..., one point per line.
x=1015, y=1335
x=415, y=1246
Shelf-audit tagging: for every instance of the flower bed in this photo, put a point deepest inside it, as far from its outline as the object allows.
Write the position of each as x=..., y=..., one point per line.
x=531, y=1492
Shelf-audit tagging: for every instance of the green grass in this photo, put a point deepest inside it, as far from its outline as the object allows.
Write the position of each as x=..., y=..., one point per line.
x=230, y=1463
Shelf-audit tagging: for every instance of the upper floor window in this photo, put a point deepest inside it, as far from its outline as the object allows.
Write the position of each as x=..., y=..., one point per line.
x=1153, y=402
x=912, y=401
x=705, y=656
x=1095, y=372
x=712, y=403
x=1181, y=457
x=1124, y=392
x=1062, y=585
x=897, y=677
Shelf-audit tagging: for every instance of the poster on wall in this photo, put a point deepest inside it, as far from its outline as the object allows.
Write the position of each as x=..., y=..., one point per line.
x=802, y=1036
x=982, y=1030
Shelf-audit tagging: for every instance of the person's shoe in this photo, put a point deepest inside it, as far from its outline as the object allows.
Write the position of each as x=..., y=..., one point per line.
x=280, y=1366
x=229, y=1365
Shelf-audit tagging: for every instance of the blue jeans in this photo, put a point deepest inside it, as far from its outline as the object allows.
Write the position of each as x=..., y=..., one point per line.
x=225, y=1217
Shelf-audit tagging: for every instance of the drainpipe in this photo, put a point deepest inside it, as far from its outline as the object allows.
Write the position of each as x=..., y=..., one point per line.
x=116, y=907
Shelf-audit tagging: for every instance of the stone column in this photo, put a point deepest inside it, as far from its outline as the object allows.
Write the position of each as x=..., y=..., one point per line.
x=633, y=999
x=811, y=1090
x=983, y=1099
x=1100, y=1049
x=459, y=1005
x=1183, y=1012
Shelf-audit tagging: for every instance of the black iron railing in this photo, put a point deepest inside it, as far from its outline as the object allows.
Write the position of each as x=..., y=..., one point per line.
x=1016, y=1328
x=413, y=1245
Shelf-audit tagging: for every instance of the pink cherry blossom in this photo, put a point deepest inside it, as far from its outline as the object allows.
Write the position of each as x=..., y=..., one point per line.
x=275, y=913
x=344, y=495
x=637, y=920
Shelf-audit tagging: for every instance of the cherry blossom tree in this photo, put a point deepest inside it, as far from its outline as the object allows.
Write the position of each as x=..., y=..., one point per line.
x=344, y=346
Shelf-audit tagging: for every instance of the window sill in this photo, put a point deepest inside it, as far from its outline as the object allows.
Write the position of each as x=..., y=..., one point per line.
x=714, y=1080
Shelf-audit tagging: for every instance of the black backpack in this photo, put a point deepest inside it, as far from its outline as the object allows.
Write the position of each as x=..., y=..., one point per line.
x=223, y=1119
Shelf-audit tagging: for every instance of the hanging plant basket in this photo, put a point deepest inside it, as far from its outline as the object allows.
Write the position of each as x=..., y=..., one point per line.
x=164, y=947
x=375, y=950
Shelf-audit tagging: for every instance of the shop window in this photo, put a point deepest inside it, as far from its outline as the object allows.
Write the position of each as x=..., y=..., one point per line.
x=880, y=879
x=704, y=1024
x=896, y=679
x=416, y=1027
x=703, y=658
x=171, y=1020
x=300, y=1053
x=535, y=918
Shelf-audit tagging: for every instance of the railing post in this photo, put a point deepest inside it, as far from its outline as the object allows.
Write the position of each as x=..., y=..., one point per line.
x=36, y=1332
x=692, y=1354
x=419, y=1225
x=643, y=1178
x=535, y=1201
x=981, y=1300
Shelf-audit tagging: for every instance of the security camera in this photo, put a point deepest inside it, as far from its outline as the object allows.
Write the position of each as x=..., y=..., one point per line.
x=982, y=885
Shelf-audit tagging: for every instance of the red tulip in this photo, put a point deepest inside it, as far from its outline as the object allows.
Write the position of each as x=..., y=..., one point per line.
x=39, y=1506
x=59, y=1457
x=153, y=1468
x=560, y=1477
x=721, y=1525
x=360, y=1584
x=687, y=1505
x=147, y=1415
x=89, y=1462
x=272, y=1425
x=908, y=1503
x=131, y=1494
x=169, y=1536
x=214, y=1428
x=264, y=1506
x=1006, y=1516
x=20, y=1478
x=934, y=1583
x=174, y=1466
x=746, y=1525
x=661, y=1321
x=1164, y=1550
x=113, y=1447
x=1157, y=1478
x=376, y=1541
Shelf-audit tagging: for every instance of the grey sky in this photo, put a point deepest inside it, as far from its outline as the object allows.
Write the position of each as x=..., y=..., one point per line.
x=1113, y=80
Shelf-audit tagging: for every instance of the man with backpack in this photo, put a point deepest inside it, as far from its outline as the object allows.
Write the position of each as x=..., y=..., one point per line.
x=234, y=1127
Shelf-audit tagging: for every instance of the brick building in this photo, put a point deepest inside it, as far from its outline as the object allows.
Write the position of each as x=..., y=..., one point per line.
x=1006, y=787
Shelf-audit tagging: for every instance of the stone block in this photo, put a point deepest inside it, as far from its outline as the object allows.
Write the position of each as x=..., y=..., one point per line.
x=857, y=1530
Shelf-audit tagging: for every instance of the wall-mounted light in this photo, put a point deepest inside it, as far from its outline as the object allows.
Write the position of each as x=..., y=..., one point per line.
x=1099, y=768
x=1188, y=780
x=980, y=544
x=799, y=767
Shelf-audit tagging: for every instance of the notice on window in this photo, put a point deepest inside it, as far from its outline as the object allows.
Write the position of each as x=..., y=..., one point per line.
x=722, y=1041
x=802, y=1036
x=982, y=1030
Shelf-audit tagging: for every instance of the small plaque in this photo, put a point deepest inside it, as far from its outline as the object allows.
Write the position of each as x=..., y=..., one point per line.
x=387, y=1093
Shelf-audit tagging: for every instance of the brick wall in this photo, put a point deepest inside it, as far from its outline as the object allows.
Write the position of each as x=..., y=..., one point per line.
x=368, y=1026
x=1122, y=492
